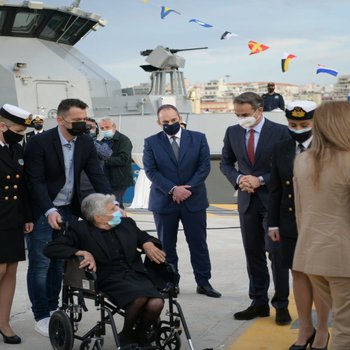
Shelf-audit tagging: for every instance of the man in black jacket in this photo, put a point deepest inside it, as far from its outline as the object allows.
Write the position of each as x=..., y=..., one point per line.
x=272, y=100
x=118, y=166
x=53, y=162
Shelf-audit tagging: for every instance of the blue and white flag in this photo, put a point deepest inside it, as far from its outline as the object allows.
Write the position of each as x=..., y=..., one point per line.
x=203, y=24
x=327, y=70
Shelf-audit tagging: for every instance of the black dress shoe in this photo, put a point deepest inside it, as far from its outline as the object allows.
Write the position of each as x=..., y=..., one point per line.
x=305, y=346
x=14, y=339
x=252, y=312
x=324, y=348
x=209, y=291
x=283, y=317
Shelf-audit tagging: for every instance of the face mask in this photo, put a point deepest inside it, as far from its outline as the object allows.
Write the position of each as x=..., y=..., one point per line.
x=38, y=126
x=77, y=129
x=93, y=134
x=246, y=122
x=300, y=135
x=270, y=89
x=172, y=129
x=116, y=220
x=107, y=134
x=12, y=137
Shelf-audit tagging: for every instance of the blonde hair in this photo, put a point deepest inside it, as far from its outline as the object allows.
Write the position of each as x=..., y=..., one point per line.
x=331, y=134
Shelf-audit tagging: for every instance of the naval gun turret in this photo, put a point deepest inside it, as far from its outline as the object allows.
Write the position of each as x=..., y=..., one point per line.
x=164, y=64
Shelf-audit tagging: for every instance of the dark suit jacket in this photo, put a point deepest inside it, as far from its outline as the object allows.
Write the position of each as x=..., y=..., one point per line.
x=118, y=165
x=14, y=202
x=235, y=160
x=281, y=200
x=27, y=136
x=165, y=172
x=45, y=175
x=84, y=236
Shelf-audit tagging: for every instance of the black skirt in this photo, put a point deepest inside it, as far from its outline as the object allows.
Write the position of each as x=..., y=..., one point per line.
x=123, y=288
x=11, y=246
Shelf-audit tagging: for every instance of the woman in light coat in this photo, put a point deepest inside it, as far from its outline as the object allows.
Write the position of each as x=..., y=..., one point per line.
x=322, y=200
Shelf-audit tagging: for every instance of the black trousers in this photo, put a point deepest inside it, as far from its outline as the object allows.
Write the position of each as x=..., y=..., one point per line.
x=256, y=243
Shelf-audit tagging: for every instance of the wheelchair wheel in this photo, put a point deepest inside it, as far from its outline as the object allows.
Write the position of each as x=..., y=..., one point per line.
x=86, y=344
x=61, y=331
x=168, y=339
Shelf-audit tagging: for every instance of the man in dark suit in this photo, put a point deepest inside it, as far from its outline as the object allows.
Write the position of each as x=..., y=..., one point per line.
x=246, y=162
x=177, y=161
x=272, y=100
x=53, y=162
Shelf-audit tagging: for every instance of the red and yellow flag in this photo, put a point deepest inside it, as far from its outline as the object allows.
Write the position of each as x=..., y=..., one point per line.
x=256, y=47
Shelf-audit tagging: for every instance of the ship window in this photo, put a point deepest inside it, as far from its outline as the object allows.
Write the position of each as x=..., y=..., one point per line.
x=75, y=31
x=2, y=19
x=53, y=27
x=26, y=22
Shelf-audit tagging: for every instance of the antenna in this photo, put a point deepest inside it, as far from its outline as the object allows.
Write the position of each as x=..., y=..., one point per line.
x=76, y=3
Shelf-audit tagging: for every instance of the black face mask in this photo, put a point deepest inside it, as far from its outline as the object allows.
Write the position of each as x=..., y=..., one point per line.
x=300, y=137
x=38, y=126
x=78, y=129
x=172, y=129
x=11, y=137
x=270, y=90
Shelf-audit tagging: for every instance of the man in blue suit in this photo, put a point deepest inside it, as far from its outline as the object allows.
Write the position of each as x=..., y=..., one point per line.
x=177, y=161
x=246, y=162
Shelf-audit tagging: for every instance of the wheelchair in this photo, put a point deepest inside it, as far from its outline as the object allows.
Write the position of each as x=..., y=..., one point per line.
x=79, y=284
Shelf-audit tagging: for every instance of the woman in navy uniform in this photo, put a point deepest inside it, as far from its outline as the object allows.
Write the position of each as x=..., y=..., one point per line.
x=15, y=218
x=282, y=223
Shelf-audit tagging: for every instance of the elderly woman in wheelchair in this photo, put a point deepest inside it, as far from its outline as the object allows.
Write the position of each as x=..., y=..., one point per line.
x=110, y=245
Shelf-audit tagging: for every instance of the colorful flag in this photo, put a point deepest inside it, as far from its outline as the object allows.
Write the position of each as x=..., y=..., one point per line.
x=203, y=24
x=286, y=58
x=324, y=69
x=256, y=47
x=166, y=10
x=227, y=35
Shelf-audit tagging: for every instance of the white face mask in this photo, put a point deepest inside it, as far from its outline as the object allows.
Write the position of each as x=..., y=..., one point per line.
x=301, y=131
x=246, y=122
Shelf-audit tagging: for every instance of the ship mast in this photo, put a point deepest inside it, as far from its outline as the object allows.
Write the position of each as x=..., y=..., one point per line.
x=76, y=3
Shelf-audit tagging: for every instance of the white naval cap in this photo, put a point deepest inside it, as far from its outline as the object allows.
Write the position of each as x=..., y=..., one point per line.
x=300, y=110
x=37, y=118
x=16, y=115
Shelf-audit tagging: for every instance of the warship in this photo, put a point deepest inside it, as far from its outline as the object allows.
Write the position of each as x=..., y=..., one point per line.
x=41, y=66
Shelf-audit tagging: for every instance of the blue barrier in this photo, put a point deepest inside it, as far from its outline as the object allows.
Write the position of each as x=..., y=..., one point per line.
x=129, y=194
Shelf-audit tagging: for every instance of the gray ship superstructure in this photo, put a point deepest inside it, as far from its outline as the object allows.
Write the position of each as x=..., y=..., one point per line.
x=40, y=65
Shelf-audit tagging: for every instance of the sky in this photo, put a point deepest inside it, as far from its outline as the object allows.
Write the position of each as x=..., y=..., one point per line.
x=316, y=31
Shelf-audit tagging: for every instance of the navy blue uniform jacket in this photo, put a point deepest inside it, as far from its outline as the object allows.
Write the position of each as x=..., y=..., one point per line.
x=281, y=201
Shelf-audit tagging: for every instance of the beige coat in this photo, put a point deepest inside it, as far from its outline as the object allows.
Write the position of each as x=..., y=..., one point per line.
x=323, y=217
